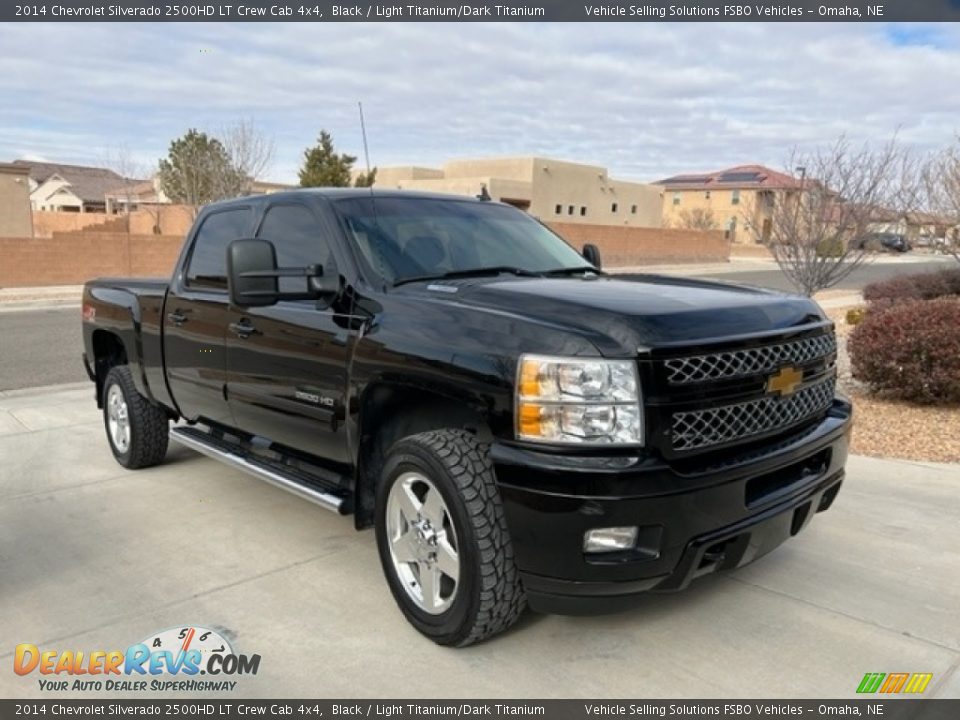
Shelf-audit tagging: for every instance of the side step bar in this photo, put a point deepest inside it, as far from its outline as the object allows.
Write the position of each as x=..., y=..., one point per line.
x=231, y=455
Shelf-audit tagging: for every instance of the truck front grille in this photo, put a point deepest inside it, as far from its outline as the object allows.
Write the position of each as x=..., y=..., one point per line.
x=748, y=361
x=698, y=429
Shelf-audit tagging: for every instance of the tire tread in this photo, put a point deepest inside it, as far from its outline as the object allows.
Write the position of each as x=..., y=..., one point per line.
x=149, y=425
x=502, y=600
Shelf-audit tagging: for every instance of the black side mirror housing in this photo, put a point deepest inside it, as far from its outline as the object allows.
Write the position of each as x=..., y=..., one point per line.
x=591, y=253
x=252, y=273
x=252, y=277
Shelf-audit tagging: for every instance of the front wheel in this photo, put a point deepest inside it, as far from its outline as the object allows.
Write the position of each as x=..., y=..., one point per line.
x=443, y=540
x=137, y=430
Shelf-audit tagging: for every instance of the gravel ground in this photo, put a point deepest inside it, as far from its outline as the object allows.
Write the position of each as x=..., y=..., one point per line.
x=894, y=429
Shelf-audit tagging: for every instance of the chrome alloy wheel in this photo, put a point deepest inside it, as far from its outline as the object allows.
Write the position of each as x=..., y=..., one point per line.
x=423, y=542
x=118, y=419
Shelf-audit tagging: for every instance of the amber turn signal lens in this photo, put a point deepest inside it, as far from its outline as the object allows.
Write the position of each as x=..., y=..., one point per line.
x=530, y=420
x=530, y=378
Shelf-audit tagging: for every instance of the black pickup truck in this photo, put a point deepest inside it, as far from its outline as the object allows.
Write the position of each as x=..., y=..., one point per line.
x=519, y=427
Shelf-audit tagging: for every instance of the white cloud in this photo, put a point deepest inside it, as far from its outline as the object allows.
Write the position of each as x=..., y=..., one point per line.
x=645, y=99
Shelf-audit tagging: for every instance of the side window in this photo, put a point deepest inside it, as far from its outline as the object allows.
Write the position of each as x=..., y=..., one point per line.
x=208, y=261
x=295, y=233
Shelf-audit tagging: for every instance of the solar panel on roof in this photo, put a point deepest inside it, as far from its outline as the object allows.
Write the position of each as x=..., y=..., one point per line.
x=698, y=179
x=752, y=176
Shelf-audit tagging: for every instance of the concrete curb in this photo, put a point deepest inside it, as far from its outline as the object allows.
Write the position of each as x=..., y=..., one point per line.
x=46, y=389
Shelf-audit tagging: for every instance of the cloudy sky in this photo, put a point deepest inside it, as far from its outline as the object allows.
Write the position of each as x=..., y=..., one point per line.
x=646, y=100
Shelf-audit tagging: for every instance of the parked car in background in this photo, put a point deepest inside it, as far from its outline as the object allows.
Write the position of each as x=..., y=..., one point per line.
x=883, y=242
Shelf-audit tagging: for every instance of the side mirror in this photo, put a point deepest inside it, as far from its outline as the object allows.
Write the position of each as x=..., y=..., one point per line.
x=252, y=273
x=591, y=253
x=252, y=277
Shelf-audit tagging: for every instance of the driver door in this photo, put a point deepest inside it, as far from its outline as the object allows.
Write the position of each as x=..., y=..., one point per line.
x=287, y=363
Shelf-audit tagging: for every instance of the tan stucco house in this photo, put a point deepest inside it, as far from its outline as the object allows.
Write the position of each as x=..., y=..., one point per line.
x=551, y=190
x=737, y=200
x=16, y=220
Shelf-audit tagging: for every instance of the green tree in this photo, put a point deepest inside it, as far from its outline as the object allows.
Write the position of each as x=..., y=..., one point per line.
x=366, y=179
x=198, y=170
x=323, y=166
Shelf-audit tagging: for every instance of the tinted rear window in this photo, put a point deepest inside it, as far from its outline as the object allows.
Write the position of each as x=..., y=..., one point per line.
x=208, y=261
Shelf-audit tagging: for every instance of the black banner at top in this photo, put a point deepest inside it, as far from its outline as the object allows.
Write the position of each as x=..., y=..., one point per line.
x=480, y=11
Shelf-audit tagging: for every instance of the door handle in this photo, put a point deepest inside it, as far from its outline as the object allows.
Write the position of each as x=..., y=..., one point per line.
x=242, y=329
x=177, y=318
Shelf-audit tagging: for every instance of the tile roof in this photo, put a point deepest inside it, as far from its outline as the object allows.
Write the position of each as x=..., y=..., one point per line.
x=740, y=176
x=90, y=184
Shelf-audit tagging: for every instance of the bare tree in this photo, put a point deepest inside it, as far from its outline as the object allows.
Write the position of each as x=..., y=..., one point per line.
x=696, y=219
x=134, y=174
x=250, y=152
x=817, y=229
x=941, y=193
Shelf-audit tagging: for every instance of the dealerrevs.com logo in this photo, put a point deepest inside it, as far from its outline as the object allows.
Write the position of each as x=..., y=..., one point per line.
x=170, y=660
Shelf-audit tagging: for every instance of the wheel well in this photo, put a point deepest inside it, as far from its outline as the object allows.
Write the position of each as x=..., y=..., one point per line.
x=108, y=352
x=389, y=413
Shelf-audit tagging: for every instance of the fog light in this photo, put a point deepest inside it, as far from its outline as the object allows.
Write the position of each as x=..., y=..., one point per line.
x=611, y=539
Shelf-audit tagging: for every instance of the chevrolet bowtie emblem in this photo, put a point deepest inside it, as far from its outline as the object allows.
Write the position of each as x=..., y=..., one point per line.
x=785, y=381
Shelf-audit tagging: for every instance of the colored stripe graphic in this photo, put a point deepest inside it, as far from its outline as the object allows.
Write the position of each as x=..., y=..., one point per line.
x=895, y=681
x=871, y=682
x=918, y=682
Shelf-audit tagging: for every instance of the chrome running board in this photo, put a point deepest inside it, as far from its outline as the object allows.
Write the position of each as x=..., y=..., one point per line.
x=234, y=456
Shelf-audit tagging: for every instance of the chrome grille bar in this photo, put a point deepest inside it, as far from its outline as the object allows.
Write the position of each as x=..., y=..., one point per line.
x=697, y=429
x=748, y=361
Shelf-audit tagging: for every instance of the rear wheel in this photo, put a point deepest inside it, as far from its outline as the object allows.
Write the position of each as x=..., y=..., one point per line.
x=443, y=540
x=136, y=429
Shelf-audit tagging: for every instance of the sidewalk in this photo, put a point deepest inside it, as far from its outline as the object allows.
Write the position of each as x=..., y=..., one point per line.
x=28, y=298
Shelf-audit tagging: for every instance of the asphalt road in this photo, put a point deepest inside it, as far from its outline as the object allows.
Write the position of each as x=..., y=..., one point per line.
x=43, y=347
x=857, y=280
x=40, y=347
x=95, y=557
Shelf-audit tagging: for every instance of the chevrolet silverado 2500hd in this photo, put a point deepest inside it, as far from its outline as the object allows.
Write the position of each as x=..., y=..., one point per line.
x=519, y=427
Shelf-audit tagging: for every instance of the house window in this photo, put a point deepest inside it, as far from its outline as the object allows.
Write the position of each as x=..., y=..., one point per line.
x=613, y=208
x=735, y=197
x=676, y=198
x=583, y=210
x=570, y=210
x=706, y=194
x=633, y=209
x=559, y=209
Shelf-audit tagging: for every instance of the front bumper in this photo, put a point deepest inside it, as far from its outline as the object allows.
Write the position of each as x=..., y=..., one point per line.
x=694, y=519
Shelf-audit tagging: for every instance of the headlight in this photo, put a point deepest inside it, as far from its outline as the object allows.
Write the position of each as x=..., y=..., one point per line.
x=582, y=402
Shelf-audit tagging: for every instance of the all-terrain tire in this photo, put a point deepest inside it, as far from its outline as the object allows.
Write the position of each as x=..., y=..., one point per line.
x=146, y=442
x=489, y=595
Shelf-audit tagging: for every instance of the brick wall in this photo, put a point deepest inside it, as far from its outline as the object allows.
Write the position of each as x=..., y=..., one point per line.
x=626, y=246
x=73, y=258
x=173, y=220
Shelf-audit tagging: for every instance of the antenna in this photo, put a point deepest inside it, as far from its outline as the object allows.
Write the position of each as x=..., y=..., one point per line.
x=366, y=150
x=373, y=201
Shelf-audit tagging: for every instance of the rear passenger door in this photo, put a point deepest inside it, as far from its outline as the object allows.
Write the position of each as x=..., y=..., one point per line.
x=195, y=318
x=287, y=363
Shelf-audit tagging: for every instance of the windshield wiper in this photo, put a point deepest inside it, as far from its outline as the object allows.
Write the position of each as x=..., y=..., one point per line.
x=573, y=271
x=474, y=272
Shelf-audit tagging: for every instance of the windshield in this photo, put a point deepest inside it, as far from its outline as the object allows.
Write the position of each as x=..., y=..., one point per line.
x=418, y=237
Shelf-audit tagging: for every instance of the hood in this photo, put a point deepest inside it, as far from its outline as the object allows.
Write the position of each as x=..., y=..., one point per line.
x=622, y=314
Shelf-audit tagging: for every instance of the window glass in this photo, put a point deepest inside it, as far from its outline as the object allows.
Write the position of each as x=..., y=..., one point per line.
x=412, y=237
x=208, y=261
x=295, y=233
